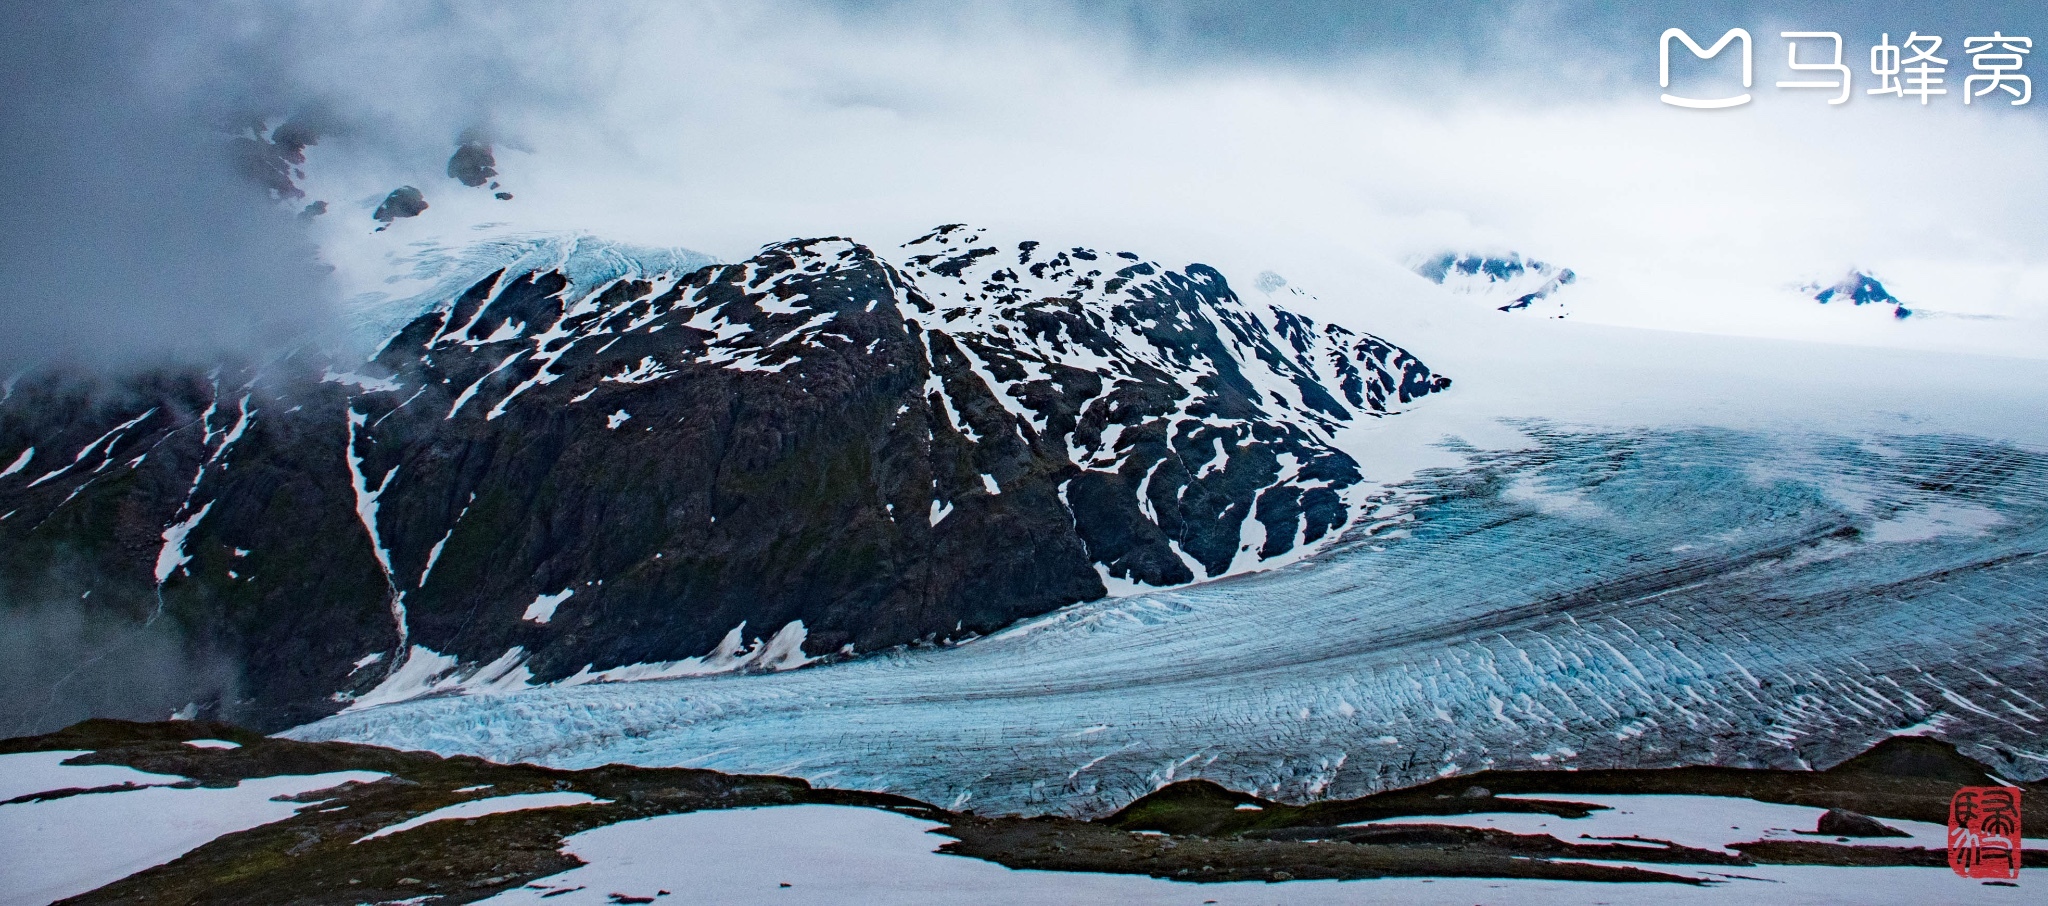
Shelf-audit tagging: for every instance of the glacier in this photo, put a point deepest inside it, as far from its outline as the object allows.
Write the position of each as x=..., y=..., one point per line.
x=1596, y=596
x=1707, y=549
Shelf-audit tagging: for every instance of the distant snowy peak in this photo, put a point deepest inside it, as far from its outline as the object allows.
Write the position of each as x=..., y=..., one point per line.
x=1171, y=431
x=1213, y=420
x=1119, y=314
x=1029, y=316
x=1217, y=418
x=1508, y=282
x=431, y=276
x=1856, y=288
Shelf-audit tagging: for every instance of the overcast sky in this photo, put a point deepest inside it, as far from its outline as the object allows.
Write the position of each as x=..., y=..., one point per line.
x=1326, y=140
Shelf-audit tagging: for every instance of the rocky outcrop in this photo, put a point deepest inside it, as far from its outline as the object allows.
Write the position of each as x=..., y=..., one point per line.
x=1857, y=288
x=1508, y=281
x=403, y=202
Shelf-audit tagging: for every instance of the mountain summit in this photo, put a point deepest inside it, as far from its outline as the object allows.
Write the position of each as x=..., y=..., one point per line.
x=1508, y=281
x=1857, y=288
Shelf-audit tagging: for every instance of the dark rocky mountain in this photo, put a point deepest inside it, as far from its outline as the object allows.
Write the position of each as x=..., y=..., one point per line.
x=403, y=202
x=473, y=163
x=1508, y=282
x=814, y=452
x=1857, y=288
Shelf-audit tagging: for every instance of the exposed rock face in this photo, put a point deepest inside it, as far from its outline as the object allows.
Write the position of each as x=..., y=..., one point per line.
x=136, y=502
x=543, y=482
x=1857, y=288
x=1840, y=822
x=1200, y=426
x=403, y=202
x=472, y=164
x=272, y=158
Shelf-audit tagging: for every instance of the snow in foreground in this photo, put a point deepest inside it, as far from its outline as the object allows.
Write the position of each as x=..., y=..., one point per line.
x=60, y=848
x=40, y=772
x=1697, y=822
x=840, y=855
x=477, y=808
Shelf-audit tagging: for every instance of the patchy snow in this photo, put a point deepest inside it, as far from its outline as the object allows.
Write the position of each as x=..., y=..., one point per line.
x=471, y=390
x=212, y=744
x=366, y=513
x=1116, y=586
x=477, y=808
x=782, y=652
x=414, y=678
x=1932, y=521
x=228, y=440
x=645, y=371
x=1303, y=380
x=506, y=673
x=172, y=555
x=64, y=847
x=1933, y=726
x=785, y=651
x=543, y=608
x=829, y=854
x=1566, y=503
x=614, y=420
x=427, y=672
x=19, y=463
x=362, y=382
x=1699, y=822
x=434, y=553
x=111, y=439
x=40, y=772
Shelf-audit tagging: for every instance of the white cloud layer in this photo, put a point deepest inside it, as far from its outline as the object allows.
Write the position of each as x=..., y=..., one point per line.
x=723, y=126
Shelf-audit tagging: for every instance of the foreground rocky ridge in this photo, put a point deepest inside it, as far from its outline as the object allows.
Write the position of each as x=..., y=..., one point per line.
x=1189, y=831
x=749, y=466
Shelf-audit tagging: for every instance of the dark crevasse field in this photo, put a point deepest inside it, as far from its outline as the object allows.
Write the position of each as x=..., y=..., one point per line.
x=1597, y=598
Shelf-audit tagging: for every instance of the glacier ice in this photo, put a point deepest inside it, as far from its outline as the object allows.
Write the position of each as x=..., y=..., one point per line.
x=1597, y=598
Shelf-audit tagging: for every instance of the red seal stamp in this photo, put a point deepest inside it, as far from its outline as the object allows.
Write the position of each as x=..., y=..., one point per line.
x=1984, y=832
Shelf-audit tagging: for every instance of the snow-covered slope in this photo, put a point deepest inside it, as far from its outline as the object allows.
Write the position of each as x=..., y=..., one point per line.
x=430, y=272
x=1507, y=281
x=1857, y=288
x=1165, y=381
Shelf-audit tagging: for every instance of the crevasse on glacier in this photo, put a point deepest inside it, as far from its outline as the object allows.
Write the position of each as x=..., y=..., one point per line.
x=1601, y=598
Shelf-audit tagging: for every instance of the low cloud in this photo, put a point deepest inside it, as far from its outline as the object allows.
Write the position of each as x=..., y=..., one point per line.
x=1324, y=141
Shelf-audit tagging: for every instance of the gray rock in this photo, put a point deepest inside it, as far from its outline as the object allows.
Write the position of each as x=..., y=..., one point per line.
x=1837, y=822
x=404, y=201
x=473, y=163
